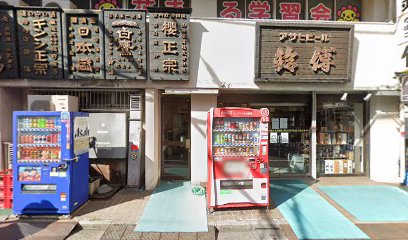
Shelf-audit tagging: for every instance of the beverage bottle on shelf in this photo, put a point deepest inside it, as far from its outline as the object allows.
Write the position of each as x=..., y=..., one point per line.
x=59, y=138
x=29, y=123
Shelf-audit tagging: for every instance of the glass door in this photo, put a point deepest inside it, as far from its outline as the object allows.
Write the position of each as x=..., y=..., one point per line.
x=289, y=140
x=176, y=121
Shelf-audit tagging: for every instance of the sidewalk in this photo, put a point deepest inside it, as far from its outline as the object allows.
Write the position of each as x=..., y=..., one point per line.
x=116, y=218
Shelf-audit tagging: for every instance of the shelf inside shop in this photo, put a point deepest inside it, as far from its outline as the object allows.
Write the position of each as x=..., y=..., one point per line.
x=39, y=129
x=37, y=160
x=39, y=145
x=236, y=145
x=235, y=130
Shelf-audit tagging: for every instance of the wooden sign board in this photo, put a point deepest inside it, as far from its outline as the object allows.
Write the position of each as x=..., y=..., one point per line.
x=84, y=44
x=125, y=44
x=40, y=42
x=304, y=52
x=169, y=44
x=8, y=54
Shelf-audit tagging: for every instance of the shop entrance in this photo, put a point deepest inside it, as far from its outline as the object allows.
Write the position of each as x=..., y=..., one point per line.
x=289, y=139
x=176, y=119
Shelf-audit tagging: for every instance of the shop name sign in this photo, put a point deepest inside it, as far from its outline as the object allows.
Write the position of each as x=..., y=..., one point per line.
x=92, y=44
x=303, y=53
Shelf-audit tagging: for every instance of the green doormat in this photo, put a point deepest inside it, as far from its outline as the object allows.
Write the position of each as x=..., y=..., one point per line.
x=173, y=207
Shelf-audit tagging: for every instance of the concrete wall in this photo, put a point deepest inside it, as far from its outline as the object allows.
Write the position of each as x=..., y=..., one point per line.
x=10, y=100
x=152, y=139
x=384, y=139
x=200, y=105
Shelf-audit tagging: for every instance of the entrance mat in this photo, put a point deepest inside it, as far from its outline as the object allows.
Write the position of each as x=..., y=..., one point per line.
x=371, y=203
x=115, y=189
x=174, y=208
x=36, y=230
x=177, y=171
x=380, y=231
x=309, y=215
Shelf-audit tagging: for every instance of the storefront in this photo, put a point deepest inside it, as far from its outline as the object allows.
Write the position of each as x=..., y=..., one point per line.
x=339, y=132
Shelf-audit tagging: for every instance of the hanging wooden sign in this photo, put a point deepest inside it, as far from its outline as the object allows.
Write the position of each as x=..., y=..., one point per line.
x=8, y=55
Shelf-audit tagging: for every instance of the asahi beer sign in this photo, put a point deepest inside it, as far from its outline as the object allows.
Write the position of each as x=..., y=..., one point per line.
x=304, y=53
x=81, y=135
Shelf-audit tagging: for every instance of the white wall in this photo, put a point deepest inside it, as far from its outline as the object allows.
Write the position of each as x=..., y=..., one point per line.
x=152, y=139
x=384, y=139
x=200, y=105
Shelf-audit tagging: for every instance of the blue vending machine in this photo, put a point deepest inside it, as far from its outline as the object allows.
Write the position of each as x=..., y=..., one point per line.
x=50, y=162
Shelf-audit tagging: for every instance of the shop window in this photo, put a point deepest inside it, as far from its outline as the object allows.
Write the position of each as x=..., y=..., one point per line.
x=338, y=149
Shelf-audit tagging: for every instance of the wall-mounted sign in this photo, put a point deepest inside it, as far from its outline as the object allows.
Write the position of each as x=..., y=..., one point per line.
x=84, y=48
x=169, y=42
x=321, y=10
x=256, y=9
x=106, y=4
x=40, y=43
x=125, y=44
x=304, y=52
x=8, y=56
x=290, y=9
x=142, y=4
x=348, y=10
x=231, y=9
x=175, y=3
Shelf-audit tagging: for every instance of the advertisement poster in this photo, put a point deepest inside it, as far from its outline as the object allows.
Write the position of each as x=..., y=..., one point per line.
x=283, y=123
x=273, y=137
x=29, y=174
x=284, y=137
x=275, y=123
x=81, y=135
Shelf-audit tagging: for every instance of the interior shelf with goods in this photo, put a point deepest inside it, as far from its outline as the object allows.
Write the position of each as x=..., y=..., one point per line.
x=235, y=137
x=335, y=138
x=39, y=139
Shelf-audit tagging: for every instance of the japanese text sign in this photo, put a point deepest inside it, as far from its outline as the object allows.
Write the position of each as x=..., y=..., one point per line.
x=321, y=10
x=144, y=4
x=125, y=44
x=169, y=43
x=40, y=38
x=84, y=48
x=8, y=58
x=304, y=52
x=290, y=9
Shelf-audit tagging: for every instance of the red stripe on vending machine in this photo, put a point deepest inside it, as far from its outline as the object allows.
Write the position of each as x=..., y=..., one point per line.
x=238, y=168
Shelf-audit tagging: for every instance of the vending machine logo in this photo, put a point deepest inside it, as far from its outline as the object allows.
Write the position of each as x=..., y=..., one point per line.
x=265, y=115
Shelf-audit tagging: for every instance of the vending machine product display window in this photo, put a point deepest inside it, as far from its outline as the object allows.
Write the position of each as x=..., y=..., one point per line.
x=336, y=145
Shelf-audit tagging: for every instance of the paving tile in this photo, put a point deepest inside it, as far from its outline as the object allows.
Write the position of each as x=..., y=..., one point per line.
x=88, y=234
x=210, y=235
x=238, y=235
x=151, y=236
x=114, y=232
x=169, y=236
x=130, y=233
x=187, y=236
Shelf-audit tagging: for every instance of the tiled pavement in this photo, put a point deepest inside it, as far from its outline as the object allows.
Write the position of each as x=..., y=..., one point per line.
x=116, y=218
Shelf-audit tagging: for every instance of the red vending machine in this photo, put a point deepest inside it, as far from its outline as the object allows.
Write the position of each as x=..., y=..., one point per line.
x=238, y=169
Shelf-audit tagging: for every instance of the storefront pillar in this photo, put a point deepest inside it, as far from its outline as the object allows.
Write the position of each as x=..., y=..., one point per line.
x=385, y=164
x=403, y=169
x=200, y=105
x=313, y=166
x=152, y=129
